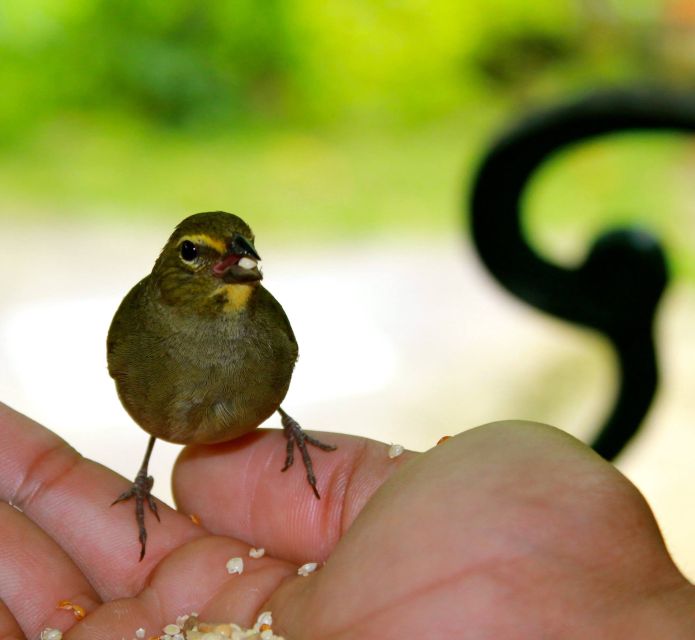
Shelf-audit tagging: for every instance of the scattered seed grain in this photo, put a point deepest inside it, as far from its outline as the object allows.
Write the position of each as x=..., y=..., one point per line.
x=307, y=568
x=235, y=565
x=194, y=629
x=76, y=609
x=396, y=450
x=265, y=619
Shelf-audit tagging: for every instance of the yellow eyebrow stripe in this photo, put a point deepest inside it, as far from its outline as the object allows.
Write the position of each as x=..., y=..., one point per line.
x=202, y=238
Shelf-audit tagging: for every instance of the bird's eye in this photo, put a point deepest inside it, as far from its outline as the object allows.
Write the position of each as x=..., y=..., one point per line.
x=189, y=251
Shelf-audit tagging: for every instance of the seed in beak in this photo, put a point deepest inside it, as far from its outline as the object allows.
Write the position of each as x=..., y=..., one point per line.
x=247, y=263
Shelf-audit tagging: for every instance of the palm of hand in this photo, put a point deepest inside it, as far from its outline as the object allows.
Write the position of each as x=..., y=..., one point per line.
x=506, y=531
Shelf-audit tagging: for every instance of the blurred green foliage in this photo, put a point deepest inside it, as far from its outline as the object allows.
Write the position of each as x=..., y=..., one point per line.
x=325, y=118
x=229, y=63
x=225, y=62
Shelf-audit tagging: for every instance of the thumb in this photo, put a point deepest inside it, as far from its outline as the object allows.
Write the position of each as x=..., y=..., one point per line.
x=237, y=489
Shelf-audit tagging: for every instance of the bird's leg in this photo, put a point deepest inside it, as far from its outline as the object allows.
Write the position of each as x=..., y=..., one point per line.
x=142, y=486
x=296, y=435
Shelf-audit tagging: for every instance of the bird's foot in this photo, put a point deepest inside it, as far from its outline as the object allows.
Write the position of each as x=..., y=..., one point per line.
x=296, y=435
x=141, y=491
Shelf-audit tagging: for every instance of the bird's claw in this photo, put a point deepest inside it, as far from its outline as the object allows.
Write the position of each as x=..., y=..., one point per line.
x=141, y=491
x=296, y=435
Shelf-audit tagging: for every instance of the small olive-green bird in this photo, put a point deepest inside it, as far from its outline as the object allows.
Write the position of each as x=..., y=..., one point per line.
x=200, y=351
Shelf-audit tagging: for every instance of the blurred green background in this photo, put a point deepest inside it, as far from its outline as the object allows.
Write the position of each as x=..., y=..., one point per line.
x=329, y=119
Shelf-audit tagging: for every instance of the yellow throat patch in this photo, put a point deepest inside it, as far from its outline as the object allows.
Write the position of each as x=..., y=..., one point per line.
x=235, y=296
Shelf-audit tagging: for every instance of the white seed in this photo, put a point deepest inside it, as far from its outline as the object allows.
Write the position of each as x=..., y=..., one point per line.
x=307, y=568
x=172, y=629
x=181, y=620
x=247, y=263
x=261, y=630
x=396, y=450
x=257, y=553
x=265, y=618
x=235, y=565
x=51, y=634
x=140, y=633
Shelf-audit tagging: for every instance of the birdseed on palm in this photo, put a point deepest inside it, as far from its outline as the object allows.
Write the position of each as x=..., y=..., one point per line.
x=189, y=627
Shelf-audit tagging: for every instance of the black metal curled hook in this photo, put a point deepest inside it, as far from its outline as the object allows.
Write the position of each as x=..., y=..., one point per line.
x=616, y=290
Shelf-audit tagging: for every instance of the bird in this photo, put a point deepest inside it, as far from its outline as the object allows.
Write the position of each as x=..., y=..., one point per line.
x=201, y=352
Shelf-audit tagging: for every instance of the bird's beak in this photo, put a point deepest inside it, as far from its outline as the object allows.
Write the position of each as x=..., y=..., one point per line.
x=240, y=263
x=243, y=247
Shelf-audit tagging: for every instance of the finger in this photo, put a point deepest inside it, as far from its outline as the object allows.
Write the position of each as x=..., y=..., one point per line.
x=9, y=629
x=237, y=489
x=69, y=497
x=193, y=579
x=36, y=575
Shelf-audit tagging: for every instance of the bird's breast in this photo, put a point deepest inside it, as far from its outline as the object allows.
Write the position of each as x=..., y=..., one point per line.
x=188, y=378
x=226, y=377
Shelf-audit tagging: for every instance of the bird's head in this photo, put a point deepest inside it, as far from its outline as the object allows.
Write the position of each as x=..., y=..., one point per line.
x=208, y=264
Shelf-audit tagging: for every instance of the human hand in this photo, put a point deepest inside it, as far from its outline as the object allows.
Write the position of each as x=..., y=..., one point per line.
x=511, y=530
